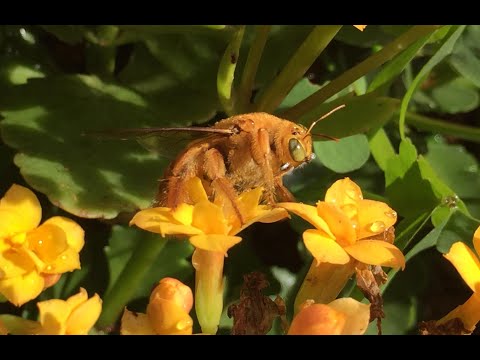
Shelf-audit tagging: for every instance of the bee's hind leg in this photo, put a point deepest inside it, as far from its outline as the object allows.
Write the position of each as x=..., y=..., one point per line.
x=214, y=170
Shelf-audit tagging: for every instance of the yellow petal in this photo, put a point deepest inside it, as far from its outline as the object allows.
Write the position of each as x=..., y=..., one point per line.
x=338, y=223
x=308, y=213
x=21, y=289
x=360, y=27
x=160, y=221
x=323, y=248
x=476, y=241
x=343, y=192
x=67, y=261
x=264, y=216
x=183, y=214
x=77, y=299
x=15, y=263
x=153, y=215
x=195, y=190
x=374, y=217
x=135, y=324
x=209, y=218
x=53, y=315
x=376, y=252
x=73, y=232
x=168, y=318
x=469, y=313
x=317, y=319
x=214, y=242
x=248, y=202
x=466, y=263
x=84, y=316
x=16, y=325
x=23, y=203
x=47, y=241
x=357, y=315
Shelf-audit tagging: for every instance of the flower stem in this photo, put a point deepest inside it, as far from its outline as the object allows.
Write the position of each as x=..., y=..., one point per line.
x=296, y=67
x=126, y=285
x=251, y=66
x=323, y=283
x=356, y=72
x=208, y=288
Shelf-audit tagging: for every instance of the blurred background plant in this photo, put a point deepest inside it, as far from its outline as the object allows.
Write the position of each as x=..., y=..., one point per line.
x=408, y=136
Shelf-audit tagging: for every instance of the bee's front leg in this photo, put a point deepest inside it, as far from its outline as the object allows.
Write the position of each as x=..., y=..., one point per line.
x=214, y=169
x=260, y=150
x=282, y=192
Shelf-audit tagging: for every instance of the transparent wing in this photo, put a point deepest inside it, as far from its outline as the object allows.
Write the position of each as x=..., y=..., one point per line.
x=167, y=142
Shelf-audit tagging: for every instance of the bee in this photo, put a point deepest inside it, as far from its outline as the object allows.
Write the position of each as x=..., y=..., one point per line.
x=234, y=155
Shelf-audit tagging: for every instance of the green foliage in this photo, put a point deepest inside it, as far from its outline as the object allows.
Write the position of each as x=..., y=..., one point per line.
x=408, y=135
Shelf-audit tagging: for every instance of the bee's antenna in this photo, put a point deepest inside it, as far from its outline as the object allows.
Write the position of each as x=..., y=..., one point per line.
x=324, y=116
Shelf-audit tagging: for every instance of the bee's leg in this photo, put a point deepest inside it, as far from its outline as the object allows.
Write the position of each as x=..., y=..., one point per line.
x=282, y=192
x=215, y=170
x=171, y=191
x=260, y=149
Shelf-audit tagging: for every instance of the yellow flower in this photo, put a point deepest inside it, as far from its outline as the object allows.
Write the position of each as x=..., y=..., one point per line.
x=74, y=316
x=211, y=227
x=31, y=256
x=346, y=231
x=467, y=264
x=344, y=223
x=344, y=316
x=360, y=27
x=167, y=312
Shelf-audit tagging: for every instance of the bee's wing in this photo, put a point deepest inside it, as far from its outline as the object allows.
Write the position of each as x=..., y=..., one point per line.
x=167, y=142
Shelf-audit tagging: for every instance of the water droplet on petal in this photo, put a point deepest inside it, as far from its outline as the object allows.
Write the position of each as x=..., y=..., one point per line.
x=352, y=194
x=63, y=257
x=377, y=226
x=49, y=267
x=391, y=214
x=40, y=242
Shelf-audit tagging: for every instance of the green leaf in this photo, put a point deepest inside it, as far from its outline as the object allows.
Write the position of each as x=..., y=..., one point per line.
x=360, y=114
x=395, y=66
x=465, y=59
x=459, y=227
x=408, y=228
x=456, y=167
x=348, y=154
x=44, y=121
x=456, y=96
x=399, y=165
x=411, y=194
x=381, y=148
x=443, y=51
x=179, y=74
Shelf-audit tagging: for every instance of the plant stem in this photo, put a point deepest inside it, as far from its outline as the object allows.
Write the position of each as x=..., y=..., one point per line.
x=296, y=67
x=434, y=125
x=226, y=72
x=250, y=70
x=356, y=72
x=126, y=285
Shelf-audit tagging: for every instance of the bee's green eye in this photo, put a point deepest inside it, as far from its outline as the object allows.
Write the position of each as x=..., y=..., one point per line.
x=296, y=150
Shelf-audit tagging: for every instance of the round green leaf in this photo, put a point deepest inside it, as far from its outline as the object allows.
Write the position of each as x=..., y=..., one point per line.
x=347, y=154
x=456, y=96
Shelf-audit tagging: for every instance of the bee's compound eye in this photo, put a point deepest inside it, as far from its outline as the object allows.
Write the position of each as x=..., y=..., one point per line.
x=296, y=150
